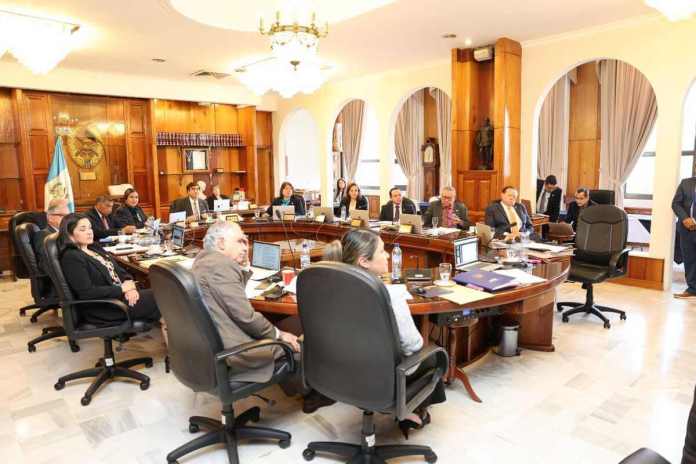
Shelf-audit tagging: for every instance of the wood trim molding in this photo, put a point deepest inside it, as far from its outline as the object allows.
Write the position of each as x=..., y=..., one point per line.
x=644, y=272
x=25, y=162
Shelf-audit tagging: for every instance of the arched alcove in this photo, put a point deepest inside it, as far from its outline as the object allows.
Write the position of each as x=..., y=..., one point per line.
x=299, y=154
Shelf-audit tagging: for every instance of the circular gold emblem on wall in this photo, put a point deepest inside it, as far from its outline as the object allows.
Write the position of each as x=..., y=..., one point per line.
x=86, y=145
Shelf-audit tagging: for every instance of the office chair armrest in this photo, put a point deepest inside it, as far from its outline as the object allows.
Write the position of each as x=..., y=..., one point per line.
x=618, y=260
x=118, y=304
x=404, y=408
x=266, y=342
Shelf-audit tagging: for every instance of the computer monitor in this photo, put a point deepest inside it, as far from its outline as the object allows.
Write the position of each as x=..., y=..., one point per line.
x=177, y=217
x=326, y=212
x=413, y=220
x=178, y=236
x=221, y=205
x=282, y=211
x=465, y=251
x=265, y=255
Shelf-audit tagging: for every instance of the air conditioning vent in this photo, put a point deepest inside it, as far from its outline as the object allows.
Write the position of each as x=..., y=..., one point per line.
x=204, y=73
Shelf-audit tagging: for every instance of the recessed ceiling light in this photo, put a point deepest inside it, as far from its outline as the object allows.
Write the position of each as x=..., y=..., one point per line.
x=468, y=42
x=449, y=36
x=159, y=60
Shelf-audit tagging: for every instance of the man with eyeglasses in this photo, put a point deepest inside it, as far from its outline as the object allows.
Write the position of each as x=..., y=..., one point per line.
x=56, y=210
x=100, y=218
x=582, y=200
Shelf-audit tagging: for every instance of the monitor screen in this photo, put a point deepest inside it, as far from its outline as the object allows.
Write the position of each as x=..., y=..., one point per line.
x=266, y=255
x=178, y=236
x=465, y=251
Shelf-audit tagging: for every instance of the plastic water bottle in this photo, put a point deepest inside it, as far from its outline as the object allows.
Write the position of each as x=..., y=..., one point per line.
x=343, y=213
x=304, y=255
x=396, y=262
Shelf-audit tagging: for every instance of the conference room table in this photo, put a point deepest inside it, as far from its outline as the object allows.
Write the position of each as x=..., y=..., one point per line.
x=466, y=339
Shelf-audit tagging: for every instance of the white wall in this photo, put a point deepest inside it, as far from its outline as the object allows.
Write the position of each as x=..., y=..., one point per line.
x=296, y=144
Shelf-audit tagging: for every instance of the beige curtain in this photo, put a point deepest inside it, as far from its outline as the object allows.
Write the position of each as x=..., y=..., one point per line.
x=554, y=122
x=444, y=134
x=409, y=136
x=352, y=117
x=628, y=110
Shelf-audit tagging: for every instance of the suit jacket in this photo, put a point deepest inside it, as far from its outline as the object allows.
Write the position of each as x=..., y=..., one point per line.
x=553, y=204
x=574, y=212
x=127, y=216
x=184, y=204
x=222, y=283
x=497, y=218
x=210, y=201
x=435, y=210
x=684, y=198
x=387, y=211
x=295, y=200
x=98, y=228
x=360, y=203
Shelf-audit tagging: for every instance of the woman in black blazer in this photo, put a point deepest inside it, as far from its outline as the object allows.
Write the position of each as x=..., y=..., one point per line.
x=92, y=274
x=287, y=197
x=129, y=214
x=354, y=200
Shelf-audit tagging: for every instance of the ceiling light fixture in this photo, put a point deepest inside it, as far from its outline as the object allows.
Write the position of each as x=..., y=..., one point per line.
x=159, y=60
x=38, y=43
x=674, y=10
x=449, y=35
x=468, y=42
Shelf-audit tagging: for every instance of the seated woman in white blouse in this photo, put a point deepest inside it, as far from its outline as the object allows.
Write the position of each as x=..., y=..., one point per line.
x=365, y=249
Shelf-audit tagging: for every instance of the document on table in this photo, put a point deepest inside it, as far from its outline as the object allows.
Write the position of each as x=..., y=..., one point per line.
x=252, y=290
x=521, y=277
x=181, y=260
x=545, y=247
x=462, y=295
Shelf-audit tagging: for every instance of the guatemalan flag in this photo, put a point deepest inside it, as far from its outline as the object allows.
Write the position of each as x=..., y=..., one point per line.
x=58, y=181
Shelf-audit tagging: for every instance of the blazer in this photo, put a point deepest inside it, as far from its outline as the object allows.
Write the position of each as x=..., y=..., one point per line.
x=127, y=216
x=684, y=198
x=222, y=282
x=98, y=228
x=295, y=200
x=184, y=204
x=339, y=195
x=574, y=212
x=435, y=210
x=553, y=204
x=497, y=218
x=387, y=211
x=210, y=201
x=360, y=203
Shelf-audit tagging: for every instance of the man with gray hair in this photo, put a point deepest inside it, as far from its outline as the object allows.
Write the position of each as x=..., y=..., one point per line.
x=448, y=211
x=55, y=211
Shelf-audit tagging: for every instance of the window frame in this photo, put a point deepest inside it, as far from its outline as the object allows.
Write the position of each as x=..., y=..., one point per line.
x=651, y=154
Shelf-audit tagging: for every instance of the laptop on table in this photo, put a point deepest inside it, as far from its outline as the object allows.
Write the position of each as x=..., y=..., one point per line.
x=265, y=260
x=466, y=256
x=221, y=205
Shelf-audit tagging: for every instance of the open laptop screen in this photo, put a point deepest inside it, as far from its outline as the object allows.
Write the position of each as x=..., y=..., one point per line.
x=178, y=236
x=465, y=251
x=266, y=256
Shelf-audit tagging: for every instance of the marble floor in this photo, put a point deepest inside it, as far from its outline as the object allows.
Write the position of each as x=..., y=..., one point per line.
x=600, y=396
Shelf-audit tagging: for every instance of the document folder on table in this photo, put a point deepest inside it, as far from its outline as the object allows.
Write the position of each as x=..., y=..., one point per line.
x=489, y=281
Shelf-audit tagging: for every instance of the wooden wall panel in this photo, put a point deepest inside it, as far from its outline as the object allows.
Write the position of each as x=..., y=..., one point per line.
x=264, y=129
x=136, y=119
x=138, y=153
x=10, y=195
x=202, y=118
x=247, y=129
x=41, y=152
x=39, y=183
x=9, y=164
x=38, y=112
x=8, y=133
x=643, y=271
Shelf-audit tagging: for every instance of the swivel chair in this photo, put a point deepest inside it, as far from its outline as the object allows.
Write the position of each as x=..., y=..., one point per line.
x=603, y=197
x=19, y=269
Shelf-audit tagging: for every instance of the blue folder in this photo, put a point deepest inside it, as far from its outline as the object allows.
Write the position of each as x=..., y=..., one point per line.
x=489, y=281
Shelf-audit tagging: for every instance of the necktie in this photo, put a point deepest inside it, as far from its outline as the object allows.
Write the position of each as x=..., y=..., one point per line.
x=397, y=213
x=105, y=222
x=512, y=219
x=196, y=213
x=543, y=201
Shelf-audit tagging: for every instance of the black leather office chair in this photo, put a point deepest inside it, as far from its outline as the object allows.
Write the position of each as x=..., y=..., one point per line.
x=107, y=368
x=600, y=254
x=41, y=286
x=197, y=358
x=19, y=269
x=351, y=354
x=603, y=197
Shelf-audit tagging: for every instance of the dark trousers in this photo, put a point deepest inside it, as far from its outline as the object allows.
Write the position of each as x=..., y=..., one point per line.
x=416, y=381
x=687, y=243
x=145, y=309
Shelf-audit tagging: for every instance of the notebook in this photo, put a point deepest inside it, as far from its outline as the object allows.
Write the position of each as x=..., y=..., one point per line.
x=485, y=280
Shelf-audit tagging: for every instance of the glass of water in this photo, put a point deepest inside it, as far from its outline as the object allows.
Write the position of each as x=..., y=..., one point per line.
x=436, y=222
x=524, y=236
x=445, y=270
x=257, y=214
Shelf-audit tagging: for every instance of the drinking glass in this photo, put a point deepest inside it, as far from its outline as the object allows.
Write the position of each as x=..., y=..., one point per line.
x=257, y=214
x=445, y=271
x=436, y=222
x=524, y=237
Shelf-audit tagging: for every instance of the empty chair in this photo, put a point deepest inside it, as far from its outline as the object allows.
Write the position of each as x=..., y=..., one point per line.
x=198, y=359
x=19, y=269
x=336, y=301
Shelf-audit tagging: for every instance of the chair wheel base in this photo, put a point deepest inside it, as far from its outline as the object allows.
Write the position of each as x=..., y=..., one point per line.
x=31, y=347
x=284, y=444
x=308, y=454
x=85, y=400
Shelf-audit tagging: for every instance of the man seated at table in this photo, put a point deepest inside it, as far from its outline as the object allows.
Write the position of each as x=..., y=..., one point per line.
x=55, y=212
x=582, y=201
x=396, y=206
x=192, y=204
x=449, y=211
x=549, y=198
x=507, y=216
x=100, y=218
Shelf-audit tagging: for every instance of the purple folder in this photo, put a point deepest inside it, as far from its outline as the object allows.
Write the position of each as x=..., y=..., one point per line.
x=489, y=281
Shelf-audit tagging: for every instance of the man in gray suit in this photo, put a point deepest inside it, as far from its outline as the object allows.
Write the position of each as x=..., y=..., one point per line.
x=683, y=207
x=449, y=211
x=221, y=271
x=195, y=207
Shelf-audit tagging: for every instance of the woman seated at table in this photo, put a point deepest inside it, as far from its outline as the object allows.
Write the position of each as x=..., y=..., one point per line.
x=365, y=249
x=129, y=214
x=287, y=197
x=353, y=199
x=92, y=274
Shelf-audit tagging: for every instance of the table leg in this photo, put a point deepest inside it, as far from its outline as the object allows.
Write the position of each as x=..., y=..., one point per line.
x=454, y=372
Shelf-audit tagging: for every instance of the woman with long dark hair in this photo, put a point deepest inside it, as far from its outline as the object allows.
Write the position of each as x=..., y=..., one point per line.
x=340, y=191
x=354, y=199
x=129, y=214
x=286, y=197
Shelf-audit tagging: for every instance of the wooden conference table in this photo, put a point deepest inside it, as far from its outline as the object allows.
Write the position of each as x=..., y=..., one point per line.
x=466, y=339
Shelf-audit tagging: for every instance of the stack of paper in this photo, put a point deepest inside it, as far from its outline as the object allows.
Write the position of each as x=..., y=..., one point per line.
x=545, y=247
x=521, y=277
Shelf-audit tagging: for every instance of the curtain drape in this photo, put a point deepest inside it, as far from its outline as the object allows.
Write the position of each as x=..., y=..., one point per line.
x=443, y=105
x=628, y=110
x=409, y=136
x=352, y=117
x=554, y=122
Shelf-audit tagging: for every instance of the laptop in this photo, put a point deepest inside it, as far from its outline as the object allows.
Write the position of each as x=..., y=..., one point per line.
x=326, y=212
x=178, y=234
x=221, y=205
x=280, y=211
x=414, y=220
x=265, y=260
x=466, y=256
x=177, y=217
x=361, y=214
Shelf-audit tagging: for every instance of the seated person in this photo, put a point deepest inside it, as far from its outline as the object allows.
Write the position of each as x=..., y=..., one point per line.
x=56, y=211
x=92, y=274
x=549, y=199
x=396, y=206
x=195, y=208
x=449, y=211
x=201, y=190
x=100, y=217
x=507, y=217
x=129, y=214
x=287, y=197
x=339, y=191
x=582, y=201
x=365, y=249
x=215, y=196
x=353, y=199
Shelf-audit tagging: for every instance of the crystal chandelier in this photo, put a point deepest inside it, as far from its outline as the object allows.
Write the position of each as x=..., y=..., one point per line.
x=38, y=43
x=674, y=10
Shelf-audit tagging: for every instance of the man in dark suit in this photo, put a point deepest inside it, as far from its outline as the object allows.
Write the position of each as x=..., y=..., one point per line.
x=100, y=218
x=396, y=206
x=683, y=207
x=508, y=217
x=56, y=210
x=449, y=211
x=549, y=198
x=195, y=207
x=582, y=201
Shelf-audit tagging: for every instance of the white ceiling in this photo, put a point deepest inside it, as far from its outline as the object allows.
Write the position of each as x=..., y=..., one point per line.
x=123, y=36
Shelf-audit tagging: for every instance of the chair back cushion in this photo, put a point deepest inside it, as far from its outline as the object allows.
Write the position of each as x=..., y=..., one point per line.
x=601, y=231
x=24, y=238
x=39, y=218
x=689, y=455
x=603, y=197
x=193, y=338
x=351, y=340
x=55, y=271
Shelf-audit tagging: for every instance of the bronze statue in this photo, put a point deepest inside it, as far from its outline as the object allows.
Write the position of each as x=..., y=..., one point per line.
x=484, y=142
